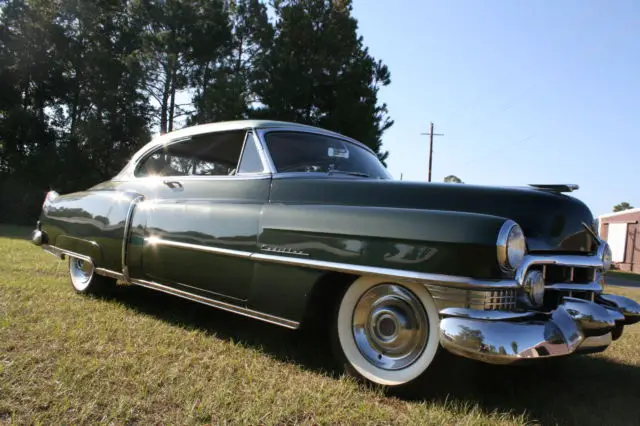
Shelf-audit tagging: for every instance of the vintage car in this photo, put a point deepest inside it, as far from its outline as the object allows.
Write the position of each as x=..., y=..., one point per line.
x=288, y=224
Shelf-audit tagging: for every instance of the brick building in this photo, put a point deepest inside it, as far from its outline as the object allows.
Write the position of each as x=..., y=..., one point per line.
x=621, y=231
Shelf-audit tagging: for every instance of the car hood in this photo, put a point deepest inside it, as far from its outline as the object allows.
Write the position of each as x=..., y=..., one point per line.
x=550, y=221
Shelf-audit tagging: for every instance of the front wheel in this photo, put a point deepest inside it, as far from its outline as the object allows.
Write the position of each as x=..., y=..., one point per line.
x=386, y=333
x=84, y=279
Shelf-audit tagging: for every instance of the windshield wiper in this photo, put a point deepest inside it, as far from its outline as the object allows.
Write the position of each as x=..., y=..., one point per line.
x=330, y=172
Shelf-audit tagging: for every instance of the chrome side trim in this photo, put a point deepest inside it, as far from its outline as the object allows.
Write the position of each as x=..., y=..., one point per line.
x=53, y=251
x=409, y=276
x=412, y=276
x=404, y=275
x=127, y=234
x=272, y=319
x=109, y=273
x=60, y=253
x=198, y=247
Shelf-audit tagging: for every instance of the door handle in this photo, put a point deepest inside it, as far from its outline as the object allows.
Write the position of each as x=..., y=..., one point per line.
x=173, y=184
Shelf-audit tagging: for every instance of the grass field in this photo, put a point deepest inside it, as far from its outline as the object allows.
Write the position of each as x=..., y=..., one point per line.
x=626, y=275
x=143, y=357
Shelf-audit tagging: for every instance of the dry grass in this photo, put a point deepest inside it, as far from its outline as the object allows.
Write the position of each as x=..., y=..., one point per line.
x=144, y=357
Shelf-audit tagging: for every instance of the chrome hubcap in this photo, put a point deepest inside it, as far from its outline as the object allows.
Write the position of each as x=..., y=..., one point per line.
x=81, y=272
x=390, y=326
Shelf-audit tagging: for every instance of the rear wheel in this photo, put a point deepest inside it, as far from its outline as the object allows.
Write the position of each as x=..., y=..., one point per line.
x=84, y=279
x=386, y=333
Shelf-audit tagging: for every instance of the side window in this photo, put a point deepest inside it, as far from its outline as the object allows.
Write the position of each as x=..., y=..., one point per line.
x=250, y=162
x=212, y=154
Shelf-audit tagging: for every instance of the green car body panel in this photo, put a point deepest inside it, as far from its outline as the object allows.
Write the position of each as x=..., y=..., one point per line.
x=262, y=243
x=387, y=224
x=423, y=227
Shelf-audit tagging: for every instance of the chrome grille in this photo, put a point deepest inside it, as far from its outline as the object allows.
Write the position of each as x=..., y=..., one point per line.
x=568, y=274
x=447, y=297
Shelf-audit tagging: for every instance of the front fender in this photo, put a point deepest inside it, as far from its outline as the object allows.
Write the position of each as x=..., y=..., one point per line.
x=432, y=241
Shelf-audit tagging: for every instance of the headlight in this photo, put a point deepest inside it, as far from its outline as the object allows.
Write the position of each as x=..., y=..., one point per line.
x=512, y=246
x=534, y=287
x=604, y=253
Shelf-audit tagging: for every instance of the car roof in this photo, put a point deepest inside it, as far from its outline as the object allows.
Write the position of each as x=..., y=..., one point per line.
x=223, y=126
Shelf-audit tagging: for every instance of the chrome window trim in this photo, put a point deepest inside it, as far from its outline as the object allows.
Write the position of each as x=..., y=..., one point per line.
x=141, y=156
x=262, y=132
x=246, y=176
x=263, y=152
x=244, y=146
x=250, y=138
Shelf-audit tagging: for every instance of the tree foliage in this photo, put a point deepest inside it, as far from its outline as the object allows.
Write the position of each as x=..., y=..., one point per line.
x=622, y=206
x=452, y=179
x=85, y=83
x=317, y=51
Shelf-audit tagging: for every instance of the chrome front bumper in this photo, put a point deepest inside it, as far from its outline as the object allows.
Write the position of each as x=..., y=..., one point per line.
x=500, y=337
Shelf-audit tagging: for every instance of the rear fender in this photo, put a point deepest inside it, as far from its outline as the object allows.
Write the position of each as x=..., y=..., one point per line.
x=90, y=223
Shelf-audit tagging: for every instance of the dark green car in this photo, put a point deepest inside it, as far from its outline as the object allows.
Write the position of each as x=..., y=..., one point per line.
x=288, y=223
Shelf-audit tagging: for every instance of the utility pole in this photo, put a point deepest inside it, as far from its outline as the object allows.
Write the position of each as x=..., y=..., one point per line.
x=431, y=135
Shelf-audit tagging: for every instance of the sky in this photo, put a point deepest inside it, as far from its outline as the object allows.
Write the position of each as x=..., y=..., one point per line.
x=525, y=92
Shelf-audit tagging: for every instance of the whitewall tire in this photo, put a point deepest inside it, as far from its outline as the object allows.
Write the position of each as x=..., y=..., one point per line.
x=84, y=278
x=386, y=333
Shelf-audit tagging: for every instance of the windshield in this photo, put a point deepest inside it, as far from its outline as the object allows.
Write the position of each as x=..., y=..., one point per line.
x=308, y=152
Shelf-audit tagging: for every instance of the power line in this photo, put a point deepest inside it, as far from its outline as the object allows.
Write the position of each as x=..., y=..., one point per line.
x=431, y=135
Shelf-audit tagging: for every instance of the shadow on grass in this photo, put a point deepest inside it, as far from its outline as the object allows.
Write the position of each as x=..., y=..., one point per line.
x=15, y=232
x=573, y=390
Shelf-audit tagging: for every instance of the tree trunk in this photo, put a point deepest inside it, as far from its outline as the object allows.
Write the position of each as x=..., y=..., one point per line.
x=172, y=105
x=165, y=101
x=201, y=116
x=75, y=107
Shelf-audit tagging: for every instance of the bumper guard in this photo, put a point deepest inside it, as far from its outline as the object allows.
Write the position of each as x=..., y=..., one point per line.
x=575, y=326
